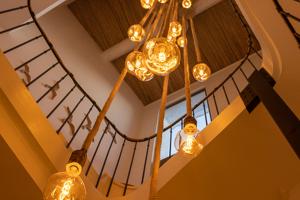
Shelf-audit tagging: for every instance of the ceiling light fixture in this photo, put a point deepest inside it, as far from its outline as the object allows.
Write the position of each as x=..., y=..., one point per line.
x=156, y=52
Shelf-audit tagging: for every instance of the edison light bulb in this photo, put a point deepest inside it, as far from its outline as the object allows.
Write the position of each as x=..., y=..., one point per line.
x=136, y=67
x=185, y=141
x=161, y=56
x=181, y=41
x=201, y=72
x=136, y=33
x=147, y=4
x=175, y=29
x=66, y=185
x=186, y=3
x=162, y=1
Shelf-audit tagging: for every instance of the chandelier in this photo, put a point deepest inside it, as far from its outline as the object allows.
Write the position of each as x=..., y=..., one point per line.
x=160, y=39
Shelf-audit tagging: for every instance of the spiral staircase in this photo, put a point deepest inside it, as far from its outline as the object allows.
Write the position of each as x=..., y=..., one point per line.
x=119, y=165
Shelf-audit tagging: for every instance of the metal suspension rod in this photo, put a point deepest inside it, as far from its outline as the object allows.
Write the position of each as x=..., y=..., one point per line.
x=195, y=41
x=154, y=178
x=186, y=71
x=103, y=112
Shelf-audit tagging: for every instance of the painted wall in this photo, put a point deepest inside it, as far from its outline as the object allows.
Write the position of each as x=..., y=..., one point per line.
x=249, y=160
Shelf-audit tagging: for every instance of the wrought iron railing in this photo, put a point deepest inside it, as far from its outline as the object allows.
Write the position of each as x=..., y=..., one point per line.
x=146, y=144
x=288, y=18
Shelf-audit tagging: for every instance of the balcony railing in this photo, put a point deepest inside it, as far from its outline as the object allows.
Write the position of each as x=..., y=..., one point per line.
x=81, y=108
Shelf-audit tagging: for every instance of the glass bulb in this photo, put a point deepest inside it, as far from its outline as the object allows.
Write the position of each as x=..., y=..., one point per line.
x=65, y=185
x=161, y=56
x=201, y=72
x=136, y=33
x=147, y=4
x=187, y=144
x=175, y=29
x=186, y=3
x=162, y=1
x=136, y=67
x=181, y=41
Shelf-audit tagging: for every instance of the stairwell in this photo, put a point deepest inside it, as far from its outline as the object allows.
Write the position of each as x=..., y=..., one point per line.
x=245, y=155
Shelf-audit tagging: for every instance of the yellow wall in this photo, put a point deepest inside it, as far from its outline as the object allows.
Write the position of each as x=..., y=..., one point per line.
x=249, y=160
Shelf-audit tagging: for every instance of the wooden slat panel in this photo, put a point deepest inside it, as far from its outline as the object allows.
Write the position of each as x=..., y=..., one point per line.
x=222, y=38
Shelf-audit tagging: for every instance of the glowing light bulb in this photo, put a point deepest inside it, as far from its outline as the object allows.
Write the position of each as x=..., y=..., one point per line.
x=65, y=185
x=185, y=141
x=161, y=56
x=147, y=4
x=175, y=29
x=136, y=33
x=186, y=3
x=201, y=72
x=135, y=66
x=162, y=1
x=181, y=42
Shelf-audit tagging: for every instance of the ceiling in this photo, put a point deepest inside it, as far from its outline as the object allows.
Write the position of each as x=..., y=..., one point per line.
x=221, y=36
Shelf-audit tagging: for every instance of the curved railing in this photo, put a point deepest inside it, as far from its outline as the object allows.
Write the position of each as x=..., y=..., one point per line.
x=287, y=17
x=146, y=144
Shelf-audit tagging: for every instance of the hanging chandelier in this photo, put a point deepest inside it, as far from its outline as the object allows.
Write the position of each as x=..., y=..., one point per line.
x=158, y=38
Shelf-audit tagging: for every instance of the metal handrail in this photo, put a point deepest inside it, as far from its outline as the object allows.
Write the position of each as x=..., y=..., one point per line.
x=109, y=123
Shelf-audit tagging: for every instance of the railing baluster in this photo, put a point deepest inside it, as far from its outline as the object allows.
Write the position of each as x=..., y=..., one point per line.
x=116, y=167
x=13, y=9
x=15, y=27
x=31, y=59
x=256, y=52
x=227, y=99
x=105, y=160
x=60, y=102
x=241, y=69
x=145, y=163
x=129, y=172
x=22, y=44
x=232, y=78
x=251, y=63
x=170, y=150
x=42, y=74
x=47, y=92
x=96, y=150
x=216, y=105
x=204, y=109
x=78, y=128
x=65, y=121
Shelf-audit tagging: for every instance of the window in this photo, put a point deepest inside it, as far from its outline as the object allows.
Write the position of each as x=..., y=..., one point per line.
x=174, y=112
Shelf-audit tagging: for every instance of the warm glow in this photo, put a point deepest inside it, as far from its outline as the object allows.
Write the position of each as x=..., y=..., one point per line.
x=201, y=72
x=181, y=41
x=65, y=185
x=162, y=1
x=161, y=56
x=135, y=66
x=191, y=146
x=190, y=129
x=136, y=33
x=175, y=29
x=186, y=3
x=147, y=4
